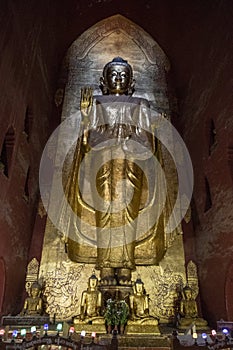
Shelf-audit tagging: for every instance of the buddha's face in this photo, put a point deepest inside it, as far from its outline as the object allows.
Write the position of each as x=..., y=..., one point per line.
x=35, y=292
x=188, y=294
x=93, y=283
x=118, y=79
x=139, y=288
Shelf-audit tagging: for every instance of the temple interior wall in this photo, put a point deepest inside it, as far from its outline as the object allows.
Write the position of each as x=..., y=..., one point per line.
x=196, y=37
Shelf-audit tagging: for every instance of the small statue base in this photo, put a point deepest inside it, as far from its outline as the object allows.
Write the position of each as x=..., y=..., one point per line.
x=97, y=326
x=140, y=328
x=143, y=326
x=200, y=323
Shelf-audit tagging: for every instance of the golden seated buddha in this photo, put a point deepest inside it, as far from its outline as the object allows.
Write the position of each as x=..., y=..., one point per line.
x=91, y=302
x=139, y=306
x=33, y=305
x=189, y=311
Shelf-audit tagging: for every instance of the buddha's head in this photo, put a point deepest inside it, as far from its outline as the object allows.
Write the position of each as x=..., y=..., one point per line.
x=117, y=78
x=93, y=281
x=187, y=292
x=35, y=290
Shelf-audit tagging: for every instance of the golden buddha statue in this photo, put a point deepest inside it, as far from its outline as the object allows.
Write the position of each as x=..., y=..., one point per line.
x=189, y=311
x=139, y=311
x=33, y=305
x=91, y=300
x=118, y=143
x=90, y=307
x=139, y=305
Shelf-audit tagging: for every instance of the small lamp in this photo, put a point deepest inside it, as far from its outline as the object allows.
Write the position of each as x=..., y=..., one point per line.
x=23, y=332
x=195, y=338
x=59, y=328
x=33, y=331
x=14, y=335
x=83, y=333
x=93, y=335
x=204, y=336
x=71, y=331
x=213, y=336
x=2, y=332
x=46, y=327
x=225, y=331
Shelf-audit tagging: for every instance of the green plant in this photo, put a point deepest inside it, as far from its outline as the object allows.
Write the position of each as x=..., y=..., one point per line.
x=123, y=309
x=109, y=314
x=116, y=312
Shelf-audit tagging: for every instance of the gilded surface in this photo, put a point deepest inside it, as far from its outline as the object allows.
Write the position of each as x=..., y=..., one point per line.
x=65, y=280
x=189, y=312
x=117, y=178
x=34, y=305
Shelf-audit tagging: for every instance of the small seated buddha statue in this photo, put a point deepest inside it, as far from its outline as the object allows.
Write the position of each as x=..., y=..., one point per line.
x=139, y=305
x=189, y=312
x=33, y=305
x=91, y=302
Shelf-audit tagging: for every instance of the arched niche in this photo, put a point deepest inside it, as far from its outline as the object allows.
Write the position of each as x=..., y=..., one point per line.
x=109, y=38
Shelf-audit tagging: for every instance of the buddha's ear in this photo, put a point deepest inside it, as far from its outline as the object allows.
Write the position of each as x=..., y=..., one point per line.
x=103, y=86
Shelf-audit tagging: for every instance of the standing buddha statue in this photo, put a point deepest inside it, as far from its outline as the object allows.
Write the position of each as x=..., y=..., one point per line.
x=118, y=138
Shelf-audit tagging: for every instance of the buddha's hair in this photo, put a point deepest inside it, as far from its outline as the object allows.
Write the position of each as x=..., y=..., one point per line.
x=36, y=285
x=93, y=277
x=139, y=281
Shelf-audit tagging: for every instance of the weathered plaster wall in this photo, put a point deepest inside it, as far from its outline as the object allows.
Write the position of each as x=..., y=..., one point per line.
x=208, y=96
x=25, y=70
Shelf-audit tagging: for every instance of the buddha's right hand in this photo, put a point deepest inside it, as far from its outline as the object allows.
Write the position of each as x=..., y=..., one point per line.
x=86, y=103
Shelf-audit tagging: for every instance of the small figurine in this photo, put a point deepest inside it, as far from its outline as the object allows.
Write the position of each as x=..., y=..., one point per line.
x=33, y=304
x=189, y=311
x=140, y=319
x=139, y=305
x=91, y=302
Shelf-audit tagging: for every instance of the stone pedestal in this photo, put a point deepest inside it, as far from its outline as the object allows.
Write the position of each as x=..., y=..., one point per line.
x=145, y=329
x=89, y=328
x=24, y=320
x=140, y=342
x=96, y=324
x=200, y=323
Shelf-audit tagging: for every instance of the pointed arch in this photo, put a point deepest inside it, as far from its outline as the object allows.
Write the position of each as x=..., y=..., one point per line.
x=109, y=38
